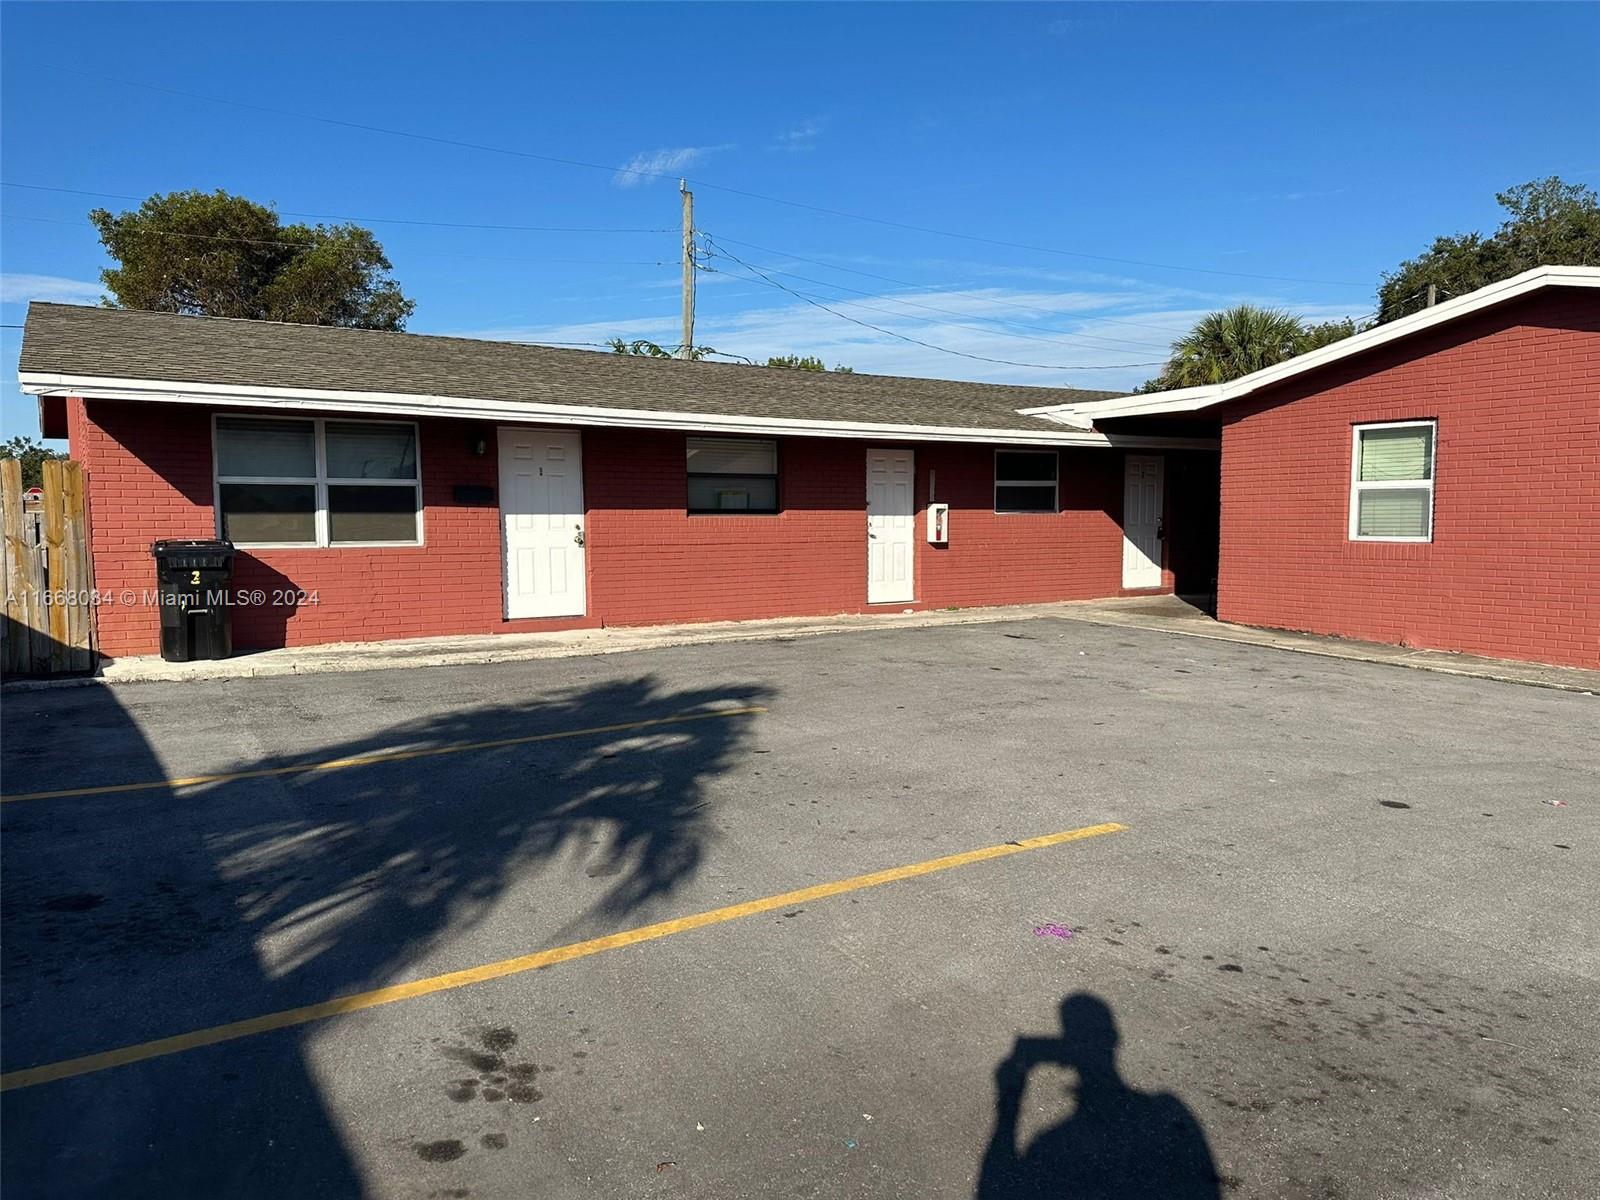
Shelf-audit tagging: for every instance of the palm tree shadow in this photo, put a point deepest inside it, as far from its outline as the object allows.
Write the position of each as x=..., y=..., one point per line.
x=1119, y=1143
x=130, y=918
x=355, y=877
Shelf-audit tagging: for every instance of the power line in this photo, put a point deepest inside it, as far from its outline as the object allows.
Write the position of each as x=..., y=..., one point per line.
x=612, y=170
x=1006, y=362
x=933, y=320
x=244, y=241
x=1167, y=329
x=289, y=212
x=1030, y=336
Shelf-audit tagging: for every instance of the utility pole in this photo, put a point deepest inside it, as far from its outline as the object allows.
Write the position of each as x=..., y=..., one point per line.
x=687, y=349
x=1433, y=294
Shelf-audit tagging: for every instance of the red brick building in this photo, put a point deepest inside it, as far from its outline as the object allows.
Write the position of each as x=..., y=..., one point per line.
x=394, y=486
x=1433, y=482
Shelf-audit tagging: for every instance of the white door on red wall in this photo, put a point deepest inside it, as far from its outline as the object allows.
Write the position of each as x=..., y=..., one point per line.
x=891, y=526
x=541, y=518
x=1141, y=522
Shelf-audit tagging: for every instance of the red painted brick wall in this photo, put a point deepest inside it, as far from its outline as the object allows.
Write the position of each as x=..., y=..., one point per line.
x=648, y=561
x=1514, y=566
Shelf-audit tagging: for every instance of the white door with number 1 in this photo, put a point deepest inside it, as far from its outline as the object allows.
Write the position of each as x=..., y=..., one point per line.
x=1141, y=522
x=891, y=527
x=541, y=515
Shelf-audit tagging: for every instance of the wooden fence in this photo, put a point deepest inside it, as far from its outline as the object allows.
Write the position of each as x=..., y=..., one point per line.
x=49, y=581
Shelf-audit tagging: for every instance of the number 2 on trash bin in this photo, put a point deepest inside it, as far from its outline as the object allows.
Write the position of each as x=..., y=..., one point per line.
x=194, y=576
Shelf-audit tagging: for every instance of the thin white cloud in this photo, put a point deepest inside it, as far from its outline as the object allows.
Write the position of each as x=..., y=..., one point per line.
x=19, y=289
x=801, y=137
x=650, y=165
x=1123, y=329
x=1296, y=197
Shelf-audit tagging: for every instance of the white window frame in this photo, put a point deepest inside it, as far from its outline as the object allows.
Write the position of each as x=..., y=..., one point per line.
x=1358, y=485
x=1055, y=484
x=320, y=482
x=777, y=477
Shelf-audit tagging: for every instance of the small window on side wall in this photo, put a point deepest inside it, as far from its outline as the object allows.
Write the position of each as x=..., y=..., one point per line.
x=1025, y=481
x=1391, y=482
x=733, y=475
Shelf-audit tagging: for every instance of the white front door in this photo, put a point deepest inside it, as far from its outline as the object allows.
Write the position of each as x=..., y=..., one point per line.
x=541, y=516
x=1141, y=522
x=891, y=526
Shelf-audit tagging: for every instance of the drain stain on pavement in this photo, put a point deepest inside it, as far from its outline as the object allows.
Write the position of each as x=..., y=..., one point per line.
x=447, y=1150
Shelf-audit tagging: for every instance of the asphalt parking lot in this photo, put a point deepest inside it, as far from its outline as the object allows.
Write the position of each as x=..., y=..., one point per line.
x=1344, y=943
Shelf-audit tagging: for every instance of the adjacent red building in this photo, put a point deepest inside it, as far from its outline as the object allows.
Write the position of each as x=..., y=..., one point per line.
x=1434, y=482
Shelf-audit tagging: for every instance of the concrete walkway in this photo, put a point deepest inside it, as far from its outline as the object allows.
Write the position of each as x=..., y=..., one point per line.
x=1169, y=614
x=1164, y=614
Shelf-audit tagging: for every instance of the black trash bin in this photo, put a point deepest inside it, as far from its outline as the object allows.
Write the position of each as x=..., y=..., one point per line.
x=194, y=580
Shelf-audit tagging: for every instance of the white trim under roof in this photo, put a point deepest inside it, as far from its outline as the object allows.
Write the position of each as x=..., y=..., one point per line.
x=43, y=383
x=1082, y=414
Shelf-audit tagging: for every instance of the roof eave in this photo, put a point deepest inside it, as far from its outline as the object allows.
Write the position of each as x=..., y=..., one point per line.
x=41, y=383
x=1185, y=400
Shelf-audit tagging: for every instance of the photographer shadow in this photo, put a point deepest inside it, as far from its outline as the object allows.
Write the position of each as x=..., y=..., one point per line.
x=1119, y=1142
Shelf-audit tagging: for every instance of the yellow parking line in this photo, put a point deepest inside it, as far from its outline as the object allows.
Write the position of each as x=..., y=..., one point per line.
x=381, y=756
x=161, y=1047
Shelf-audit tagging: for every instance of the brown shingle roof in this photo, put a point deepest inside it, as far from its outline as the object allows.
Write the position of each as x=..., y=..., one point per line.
x=69, y=339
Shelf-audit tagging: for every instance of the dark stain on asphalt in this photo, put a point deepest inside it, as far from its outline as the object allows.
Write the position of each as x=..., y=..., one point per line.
x=479, y=1060
x=494, y=1141
x=497, y=1079
x=447, y=1150
x=1231, y=967
x=1393, y=804
x=75, y=902
x=500, y=1038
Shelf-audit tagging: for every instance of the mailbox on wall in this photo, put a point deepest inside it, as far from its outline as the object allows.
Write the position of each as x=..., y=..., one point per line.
x=939, y=524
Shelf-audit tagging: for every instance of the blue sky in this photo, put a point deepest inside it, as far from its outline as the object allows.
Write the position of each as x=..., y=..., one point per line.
x=1285, y=154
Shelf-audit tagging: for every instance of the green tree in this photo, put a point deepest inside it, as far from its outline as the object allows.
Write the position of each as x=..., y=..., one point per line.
x=644, y=348
x=1314, y=337
x=1548, y=223
x=225, y=256
x=1225, y=345
x=31, y=454
x=807, y=362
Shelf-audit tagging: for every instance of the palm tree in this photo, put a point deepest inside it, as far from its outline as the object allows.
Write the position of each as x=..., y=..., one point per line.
x=1225, y=345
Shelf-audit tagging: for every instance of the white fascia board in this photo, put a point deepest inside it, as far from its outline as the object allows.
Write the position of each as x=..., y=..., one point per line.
x=1183, y=400
x=533, y=413
x=1063, y=417
x=1180, y=400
